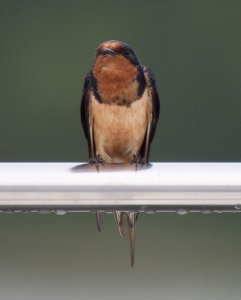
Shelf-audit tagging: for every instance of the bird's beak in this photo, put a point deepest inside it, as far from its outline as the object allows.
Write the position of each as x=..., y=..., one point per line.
x=108, y=51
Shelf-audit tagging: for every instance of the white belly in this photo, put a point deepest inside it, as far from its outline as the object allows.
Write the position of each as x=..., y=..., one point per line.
x=119, y=131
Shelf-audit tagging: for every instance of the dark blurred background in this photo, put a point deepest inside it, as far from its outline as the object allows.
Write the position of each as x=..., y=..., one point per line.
x=193, y=47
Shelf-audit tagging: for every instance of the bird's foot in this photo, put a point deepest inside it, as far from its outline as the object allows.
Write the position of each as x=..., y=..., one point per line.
x=137, y=160
x=97, y=161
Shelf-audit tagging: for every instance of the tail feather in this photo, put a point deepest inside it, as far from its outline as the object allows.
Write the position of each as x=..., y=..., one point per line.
x=131, y=218
x=119, y=217
x=100, y=219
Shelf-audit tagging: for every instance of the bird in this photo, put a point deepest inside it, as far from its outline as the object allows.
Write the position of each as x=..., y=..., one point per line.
x=119, y=112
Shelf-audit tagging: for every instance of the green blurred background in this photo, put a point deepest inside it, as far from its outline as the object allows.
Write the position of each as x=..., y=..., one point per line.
x=193, y=48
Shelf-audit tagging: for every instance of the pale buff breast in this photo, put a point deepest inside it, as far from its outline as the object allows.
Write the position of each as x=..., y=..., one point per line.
x=119, y=131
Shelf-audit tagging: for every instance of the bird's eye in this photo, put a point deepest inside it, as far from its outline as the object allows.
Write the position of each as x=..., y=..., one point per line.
x=127, y=52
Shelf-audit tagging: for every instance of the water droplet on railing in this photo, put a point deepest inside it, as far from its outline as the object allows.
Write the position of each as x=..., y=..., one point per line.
x=182, y=212
x=238, y=206
x=144, y=207
x=44, y=211
x=60, y=212
x=206, y=212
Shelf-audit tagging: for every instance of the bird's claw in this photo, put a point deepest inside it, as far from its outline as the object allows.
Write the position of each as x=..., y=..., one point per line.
x=137, y=160
x=97, y=161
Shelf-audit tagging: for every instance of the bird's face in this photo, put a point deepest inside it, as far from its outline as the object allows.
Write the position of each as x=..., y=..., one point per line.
x=117, y=60
x=115, y=52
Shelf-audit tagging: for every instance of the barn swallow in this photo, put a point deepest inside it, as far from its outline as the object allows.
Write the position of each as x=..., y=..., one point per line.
x=119, y=113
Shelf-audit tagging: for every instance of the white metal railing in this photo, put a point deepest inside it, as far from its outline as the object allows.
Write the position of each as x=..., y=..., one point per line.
x=165, y=187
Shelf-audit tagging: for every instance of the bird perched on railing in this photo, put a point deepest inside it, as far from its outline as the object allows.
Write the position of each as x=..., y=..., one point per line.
x=119, y=113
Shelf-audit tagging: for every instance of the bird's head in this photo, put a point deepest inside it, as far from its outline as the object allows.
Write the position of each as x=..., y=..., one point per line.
x=118, y=73
x=116, y=61
x=115, y=50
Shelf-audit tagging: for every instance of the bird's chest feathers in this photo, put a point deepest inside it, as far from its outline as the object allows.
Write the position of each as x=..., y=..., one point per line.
x=119, y=131
x=116, y=80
